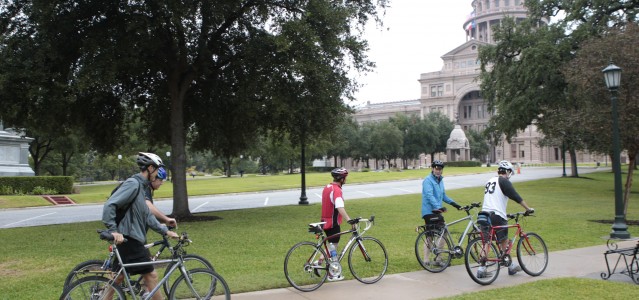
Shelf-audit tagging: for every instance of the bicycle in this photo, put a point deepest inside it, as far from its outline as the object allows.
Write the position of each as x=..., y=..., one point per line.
x=307, y=265
x=88, y=268
x=192, y=284
x=532, y=252
x=434, y=247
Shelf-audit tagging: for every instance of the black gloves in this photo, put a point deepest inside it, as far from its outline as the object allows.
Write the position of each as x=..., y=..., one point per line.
x=455, y=205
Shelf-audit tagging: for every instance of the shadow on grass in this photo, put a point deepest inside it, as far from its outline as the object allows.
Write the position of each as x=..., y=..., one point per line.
x=197, y=218
x=628, y=222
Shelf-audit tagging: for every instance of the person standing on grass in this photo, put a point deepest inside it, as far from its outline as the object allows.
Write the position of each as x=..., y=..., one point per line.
x=126, y=215
x=433, y=194
x=497, y=191
x=333, y=211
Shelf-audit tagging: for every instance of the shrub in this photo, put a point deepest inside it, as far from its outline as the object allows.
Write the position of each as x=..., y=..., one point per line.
x=17, y=185
x=463, y=164
x=6, y=190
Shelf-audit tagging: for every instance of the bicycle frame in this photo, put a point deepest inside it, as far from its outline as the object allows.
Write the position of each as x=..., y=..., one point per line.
x=356, y=235
x=177, y=260
x=122, y=270
x=519, y=233
x=445, y=232
x=471, y=224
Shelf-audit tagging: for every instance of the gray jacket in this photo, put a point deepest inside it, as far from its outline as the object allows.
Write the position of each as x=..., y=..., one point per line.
x=138, y=217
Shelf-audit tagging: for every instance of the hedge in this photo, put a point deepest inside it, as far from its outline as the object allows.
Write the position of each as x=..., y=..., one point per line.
x=13, y=185
x=462, y=164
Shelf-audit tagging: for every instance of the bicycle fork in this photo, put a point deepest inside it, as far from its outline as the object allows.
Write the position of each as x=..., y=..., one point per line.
x=362, y=248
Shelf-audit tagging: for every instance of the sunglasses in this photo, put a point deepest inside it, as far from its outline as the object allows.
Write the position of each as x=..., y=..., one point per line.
x=439, y=168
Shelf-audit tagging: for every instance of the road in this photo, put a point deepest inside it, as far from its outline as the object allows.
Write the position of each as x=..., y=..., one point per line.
x=25, y=217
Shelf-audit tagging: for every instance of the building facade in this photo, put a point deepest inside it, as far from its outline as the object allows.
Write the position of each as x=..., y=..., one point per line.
x=454, y=91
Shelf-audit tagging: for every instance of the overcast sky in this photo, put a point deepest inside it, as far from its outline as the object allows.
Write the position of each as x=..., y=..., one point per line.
x=416, y=34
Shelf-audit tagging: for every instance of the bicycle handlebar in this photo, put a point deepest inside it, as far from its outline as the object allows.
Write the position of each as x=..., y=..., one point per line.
x=471, y=206
x=528, y=213
x=107, y=236
x=369, y=222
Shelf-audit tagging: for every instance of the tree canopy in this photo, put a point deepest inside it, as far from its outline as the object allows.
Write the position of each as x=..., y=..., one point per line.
x=191, y=70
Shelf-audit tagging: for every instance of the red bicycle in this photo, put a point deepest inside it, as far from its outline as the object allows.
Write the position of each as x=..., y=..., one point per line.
x=483, y=257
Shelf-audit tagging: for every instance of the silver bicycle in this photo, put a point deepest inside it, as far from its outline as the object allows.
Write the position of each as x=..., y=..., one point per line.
x=198, y=283
x=434, y=246
x=307, y=265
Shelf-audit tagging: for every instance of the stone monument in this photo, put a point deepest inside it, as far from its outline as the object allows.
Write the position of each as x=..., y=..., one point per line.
x=14, y=154
x=457, y=146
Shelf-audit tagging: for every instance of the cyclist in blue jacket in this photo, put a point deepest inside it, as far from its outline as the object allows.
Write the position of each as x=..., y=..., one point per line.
x=433, y=194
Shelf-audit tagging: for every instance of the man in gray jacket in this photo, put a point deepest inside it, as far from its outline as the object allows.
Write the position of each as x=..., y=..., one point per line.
x=126, y=215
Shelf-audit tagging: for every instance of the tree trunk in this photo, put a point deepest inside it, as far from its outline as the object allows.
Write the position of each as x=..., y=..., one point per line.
x=573, y=162
x=178, y=148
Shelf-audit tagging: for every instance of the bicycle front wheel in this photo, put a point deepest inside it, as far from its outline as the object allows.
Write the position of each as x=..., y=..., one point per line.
x=200, y=284
x=84, y=269
x=370, y=263
x=302, y=266
x=92, y=287
x=532, y=254
x=485, y=269
x=433, y=250
x=191, y=261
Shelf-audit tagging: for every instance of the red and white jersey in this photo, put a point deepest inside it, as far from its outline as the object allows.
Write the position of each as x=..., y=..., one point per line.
x=332, y=200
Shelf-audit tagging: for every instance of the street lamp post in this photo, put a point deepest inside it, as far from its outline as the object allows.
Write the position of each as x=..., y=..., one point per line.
x=303, y=198
x=563, y=157
x=612, y=75
x=119, y=159
x=168, y=173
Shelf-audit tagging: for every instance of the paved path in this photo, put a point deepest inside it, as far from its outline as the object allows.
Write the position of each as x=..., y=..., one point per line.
x=583, y=262
x=10, y=218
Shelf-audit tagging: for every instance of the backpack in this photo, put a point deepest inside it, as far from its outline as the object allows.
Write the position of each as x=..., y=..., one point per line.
x=121, y=212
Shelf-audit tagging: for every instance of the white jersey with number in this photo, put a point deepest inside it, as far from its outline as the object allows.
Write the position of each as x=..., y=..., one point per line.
x=494, y=198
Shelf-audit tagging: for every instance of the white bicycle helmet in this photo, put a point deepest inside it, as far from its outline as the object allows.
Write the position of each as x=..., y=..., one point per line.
x=146, y=159
x=506, y=167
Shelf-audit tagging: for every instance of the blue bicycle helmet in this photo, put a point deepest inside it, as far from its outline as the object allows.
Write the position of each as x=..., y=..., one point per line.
x=161, y=173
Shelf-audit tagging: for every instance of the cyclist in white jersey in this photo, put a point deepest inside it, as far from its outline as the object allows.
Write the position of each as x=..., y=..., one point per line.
x=496, y=194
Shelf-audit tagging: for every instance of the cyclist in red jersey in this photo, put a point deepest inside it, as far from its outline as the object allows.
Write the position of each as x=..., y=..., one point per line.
x=333, y=211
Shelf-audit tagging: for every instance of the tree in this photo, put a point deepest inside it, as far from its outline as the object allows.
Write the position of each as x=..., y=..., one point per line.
x=586, y=79
x=158, y=59
x=420, y=136
x=443, y=127
x=386, y=141
x=478, y=145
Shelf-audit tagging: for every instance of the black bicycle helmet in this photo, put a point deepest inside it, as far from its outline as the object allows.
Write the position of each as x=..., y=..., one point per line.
x=339, y=173
x=147, y=159
x=437, y=163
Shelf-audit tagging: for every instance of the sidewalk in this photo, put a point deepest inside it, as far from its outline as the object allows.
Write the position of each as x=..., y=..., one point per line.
x=583, y=262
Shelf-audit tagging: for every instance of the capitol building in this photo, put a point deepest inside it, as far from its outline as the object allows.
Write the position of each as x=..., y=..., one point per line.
x=454, y=91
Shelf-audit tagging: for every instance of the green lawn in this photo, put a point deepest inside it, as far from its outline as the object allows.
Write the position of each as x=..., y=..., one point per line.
x=248, y=246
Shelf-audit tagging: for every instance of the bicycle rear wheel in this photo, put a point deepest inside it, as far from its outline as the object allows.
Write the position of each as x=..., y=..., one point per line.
x=200, y=284
x=433, y=251
x=191, y=261
x=532, y=254
x=370, y=263
x=486, y=269
x=84, y=269
x=302, y=268
x=92, y=287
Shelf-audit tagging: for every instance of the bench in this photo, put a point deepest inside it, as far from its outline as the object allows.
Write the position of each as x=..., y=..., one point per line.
x=629, y=258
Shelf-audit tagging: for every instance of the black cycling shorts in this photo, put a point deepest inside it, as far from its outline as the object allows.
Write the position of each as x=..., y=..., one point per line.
x=132, y=251
x=335, y=230
x=496, y=220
